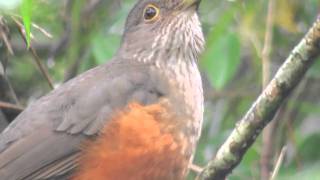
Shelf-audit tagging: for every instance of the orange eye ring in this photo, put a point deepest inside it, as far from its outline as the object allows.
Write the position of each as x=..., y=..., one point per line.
x=151, y=12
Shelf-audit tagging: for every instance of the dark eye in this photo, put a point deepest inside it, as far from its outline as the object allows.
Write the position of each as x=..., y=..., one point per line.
x=151, y=12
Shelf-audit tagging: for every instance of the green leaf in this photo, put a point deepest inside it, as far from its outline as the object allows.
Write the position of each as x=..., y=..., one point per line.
x=222, y=59
x=104, y=47
x=249, y=166
x=26, y=13
x=308, y=149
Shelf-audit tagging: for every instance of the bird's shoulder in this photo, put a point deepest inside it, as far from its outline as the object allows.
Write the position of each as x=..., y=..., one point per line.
x=84, y=103
x=58, y=122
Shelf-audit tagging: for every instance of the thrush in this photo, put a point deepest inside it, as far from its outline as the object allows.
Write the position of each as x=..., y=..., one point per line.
x=138, y=116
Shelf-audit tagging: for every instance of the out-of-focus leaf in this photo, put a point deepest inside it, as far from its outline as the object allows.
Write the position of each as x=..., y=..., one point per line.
x=309, y=148
x=306, y=107
x=104, y=47
x=285, y=15
x=310, y=172
x=249, y=166
x=26, y=13
x=23, y=70
x=222, y=56
x=314, y=71
x=222, y=59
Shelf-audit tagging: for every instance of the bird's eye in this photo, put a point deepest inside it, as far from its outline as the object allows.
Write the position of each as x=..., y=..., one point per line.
x=151, y=12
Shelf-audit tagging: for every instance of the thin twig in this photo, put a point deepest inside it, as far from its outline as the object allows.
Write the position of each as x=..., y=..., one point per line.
x=44, y=32
x=288, y=118
x=269, y=132
x=42, y=68
x=195, y=168
x=265, y=107
x=266, y=52
x=36, y=26
x=279, y=163
x=6, y=42
x=5, y=105
x=7, y=93
x=293, y=140
x=4, y=36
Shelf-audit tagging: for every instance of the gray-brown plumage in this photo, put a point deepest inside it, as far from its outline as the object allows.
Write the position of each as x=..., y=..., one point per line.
x=157, y=61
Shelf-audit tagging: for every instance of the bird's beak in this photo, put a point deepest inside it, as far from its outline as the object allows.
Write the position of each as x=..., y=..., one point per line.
x=191, y=4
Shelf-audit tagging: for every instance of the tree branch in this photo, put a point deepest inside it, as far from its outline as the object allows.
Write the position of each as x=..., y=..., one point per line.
x=42, y=68
x=265, y=107
x=6, y=105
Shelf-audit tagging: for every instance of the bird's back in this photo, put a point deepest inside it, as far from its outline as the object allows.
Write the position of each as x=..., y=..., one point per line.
x=44, y=140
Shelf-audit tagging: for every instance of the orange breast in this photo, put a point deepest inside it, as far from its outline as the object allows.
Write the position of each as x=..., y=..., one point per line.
x=135, y=144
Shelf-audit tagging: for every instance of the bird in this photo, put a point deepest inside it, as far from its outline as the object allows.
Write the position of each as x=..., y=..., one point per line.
x=138, y=116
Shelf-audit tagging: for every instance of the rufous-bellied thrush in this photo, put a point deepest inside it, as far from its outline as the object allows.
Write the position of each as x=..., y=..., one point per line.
x=138, y=116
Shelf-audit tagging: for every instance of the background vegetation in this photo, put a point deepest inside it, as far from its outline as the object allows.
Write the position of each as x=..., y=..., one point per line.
x=243, y=51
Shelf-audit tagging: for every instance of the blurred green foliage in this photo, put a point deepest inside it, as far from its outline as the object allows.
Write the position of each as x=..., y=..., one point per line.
x=222, y=55
x=26, y=13
x=85, y=36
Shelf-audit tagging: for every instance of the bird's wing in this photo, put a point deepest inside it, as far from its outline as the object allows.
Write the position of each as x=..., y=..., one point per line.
x=44, y=141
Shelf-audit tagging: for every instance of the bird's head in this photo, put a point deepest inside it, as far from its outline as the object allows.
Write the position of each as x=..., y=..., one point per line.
x=157, y=28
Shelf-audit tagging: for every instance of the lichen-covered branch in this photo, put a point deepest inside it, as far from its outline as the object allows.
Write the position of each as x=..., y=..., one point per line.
x=265, y=107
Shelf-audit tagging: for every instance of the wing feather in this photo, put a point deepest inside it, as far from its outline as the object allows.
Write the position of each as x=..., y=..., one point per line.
x=44, y=141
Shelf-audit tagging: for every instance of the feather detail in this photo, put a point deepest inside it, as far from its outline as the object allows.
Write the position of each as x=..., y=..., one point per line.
x=135, y=144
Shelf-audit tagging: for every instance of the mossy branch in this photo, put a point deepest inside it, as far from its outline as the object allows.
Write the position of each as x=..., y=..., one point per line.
x=265, y=107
